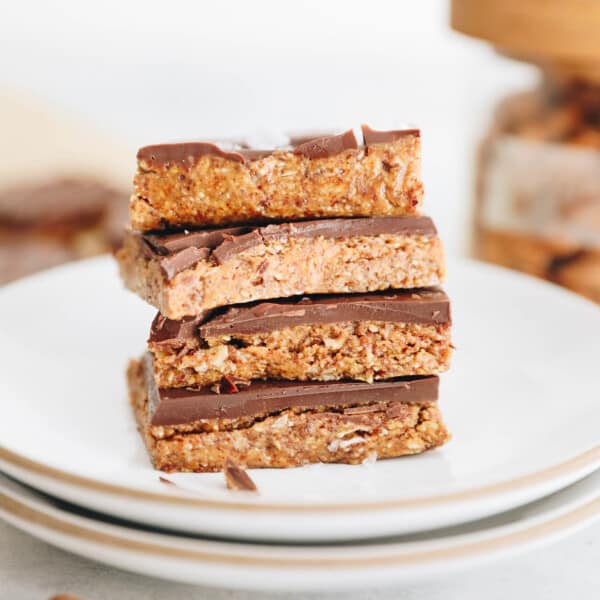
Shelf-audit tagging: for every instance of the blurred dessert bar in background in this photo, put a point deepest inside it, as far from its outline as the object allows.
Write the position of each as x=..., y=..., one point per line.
x=62, y=188
x=538, y=193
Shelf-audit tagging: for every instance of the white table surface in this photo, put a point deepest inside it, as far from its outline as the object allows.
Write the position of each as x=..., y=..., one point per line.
x=33, y=570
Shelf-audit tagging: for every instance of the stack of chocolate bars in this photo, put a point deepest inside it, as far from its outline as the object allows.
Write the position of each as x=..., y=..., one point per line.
x=298, y=318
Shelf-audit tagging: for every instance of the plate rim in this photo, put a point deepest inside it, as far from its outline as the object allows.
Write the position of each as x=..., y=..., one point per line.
x=531, y=533
x=572, y=466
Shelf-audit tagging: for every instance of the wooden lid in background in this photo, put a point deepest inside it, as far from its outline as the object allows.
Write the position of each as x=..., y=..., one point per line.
x=564, y=32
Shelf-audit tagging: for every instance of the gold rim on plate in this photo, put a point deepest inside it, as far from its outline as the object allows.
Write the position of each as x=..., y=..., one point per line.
x=573, y=465
x=32, y=516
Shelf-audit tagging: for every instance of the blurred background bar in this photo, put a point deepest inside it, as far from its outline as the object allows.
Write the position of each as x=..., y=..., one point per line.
x=538, y=170
x=136, y=73
x=63, y=188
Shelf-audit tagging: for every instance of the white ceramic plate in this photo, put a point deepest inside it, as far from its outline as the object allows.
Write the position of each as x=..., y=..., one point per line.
x=521, y=400
x=301, y=568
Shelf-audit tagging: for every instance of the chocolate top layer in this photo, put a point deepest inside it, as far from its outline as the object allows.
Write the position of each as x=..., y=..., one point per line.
x=429, y=307
x=169, y=332
x=171, y=243
x=179, y=406
x=325, y=146
x=187, y=152
x=180, y=251
x=372, y=136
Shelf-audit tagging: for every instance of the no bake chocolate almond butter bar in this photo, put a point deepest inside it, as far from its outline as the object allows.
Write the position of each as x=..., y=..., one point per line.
x=284, y=424
x=365, y=337
x=201, y=184
x=185, y=274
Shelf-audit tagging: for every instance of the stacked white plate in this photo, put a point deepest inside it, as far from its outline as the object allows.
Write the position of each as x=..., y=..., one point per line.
x=521, y=400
